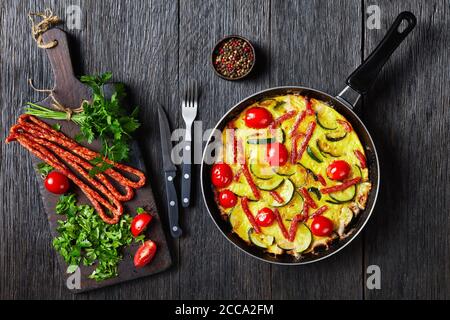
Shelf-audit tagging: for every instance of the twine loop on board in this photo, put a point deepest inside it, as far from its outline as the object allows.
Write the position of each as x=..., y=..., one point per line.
x=56, y=104
x=37, y=29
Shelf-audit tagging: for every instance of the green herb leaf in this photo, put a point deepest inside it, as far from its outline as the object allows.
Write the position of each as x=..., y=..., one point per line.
x=44, y=169
x=57, y=127
x=85, y=239
x=140, y=238
x=72, y=268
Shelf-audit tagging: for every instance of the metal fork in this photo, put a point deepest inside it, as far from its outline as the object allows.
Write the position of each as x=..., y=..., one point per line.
x=189, y=106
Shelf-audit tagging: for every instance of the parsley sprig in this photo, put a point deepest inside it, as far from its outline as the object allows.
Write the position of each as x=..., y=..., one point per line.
x=44, y=169
x=85, y=239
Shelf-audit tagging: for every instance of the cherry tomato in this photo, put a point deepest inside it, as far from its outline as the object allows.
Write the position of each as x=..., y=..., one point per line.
x=265, y=217
x=321, y=226
x=144, y=253
x=277, y=154
x=56, y=182
x=227, y=199
x=140, y=223
x=258, y=118
x=338, y=170
x=221, y=175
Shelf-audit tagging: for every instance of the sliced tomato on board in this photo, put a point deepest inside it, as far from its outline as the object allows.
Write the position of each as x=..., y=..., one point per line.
x=140, y=223
x=145, y=253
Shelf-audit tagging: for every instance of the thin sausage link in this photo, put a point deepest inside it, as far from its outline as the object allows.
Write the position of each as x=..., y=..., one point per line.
x=43, y=130
x=73, y=159
x=72, y=162
x=45, y=155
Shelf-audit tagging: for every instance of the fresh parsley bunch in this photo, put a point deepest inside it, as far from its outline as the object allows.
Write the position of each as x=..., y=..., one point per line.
x=85, y=238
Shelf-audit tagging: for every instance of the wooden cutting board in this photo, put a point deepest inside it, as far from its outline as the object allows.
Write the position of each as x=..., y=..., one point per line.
x=69, y=91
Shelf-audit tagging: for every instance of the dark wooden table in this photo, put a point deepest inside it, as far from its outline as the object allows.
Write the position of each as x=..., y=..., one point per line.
x=154, y=46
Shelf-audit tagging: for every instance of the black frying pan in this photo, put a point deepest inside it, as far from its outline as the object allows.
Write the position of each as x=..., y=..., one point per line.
x=358, y=83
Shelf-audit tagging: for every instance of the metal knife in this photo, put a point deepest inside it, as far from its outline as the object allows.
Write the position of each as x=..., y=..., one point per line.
x=170, y=172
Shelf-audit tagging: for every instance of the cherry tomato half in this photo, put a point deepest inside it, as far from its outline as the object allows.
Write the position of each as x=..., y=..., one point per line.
x=277, y=154
x=221, y=175
x=265, y=217
x=227, y=199
x=321, y=226
x=145, y=253
x=56, y=182
x=338, y=170
x=140, y=223
x=258, y=118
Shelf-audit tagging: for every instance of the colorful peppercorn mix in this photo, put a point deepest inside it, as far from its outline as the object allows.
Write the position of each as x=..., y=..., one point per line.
x=233, y=58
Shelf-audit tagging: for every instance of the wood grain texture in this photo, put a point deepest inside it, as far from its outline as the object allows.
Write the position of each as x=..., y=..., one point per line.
x=211, y=266
x=318, y=55
x=154, y=46
x=70, y=92
x=408, y=112
x=108, y=41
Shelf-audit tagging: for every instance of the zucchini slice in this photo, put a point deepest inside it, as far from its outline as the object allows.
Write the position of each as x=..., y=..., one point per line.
x=359, y=172
x=335, y=136
x=323, y=124
x=239, y=223
x=261, y=171
x=242, y=190
x=346, y=216
x=272, y=103
x=325, y=148
x=316, y=192
x=279, y=104
x=286, y=191
x=260, y=240
x=268, y=103
x=285, y=170
x=301, y=242
x=279, y=136
x=313, y=155
x=271, y=184
x=343, y=196
x=309, y=171
x=261, y=140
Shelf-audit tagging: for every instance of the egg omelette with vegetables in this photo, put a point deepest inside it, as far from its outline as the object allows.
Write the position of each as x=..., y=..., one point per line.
x=291, y=176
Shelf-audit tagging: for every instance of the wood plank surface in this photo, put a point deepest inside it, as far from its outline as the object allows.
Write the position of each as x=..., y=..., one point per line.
x=308, y=53
x=408, y=112
x=107, y=42
x=211, y=266
x=154, y=47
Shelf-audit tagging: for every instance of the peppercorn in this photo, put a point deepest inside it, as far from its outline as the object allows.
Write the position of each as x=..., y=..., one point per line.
x=233, y=58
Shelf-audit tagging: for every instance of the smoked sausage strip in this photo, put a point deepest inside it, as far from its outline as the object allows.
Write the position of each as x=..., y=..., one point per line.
x=81, y=166
x=45, y=155
x=43, y=130
x=57, y=150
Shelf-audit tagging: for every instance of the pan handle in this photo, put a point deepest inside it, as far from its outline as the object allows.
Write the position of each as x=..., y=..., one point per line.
x=360, y=81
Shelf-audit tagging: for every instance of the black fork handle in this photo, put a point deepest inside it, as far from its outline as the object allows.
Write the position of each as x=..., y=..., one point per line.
x=186, y=175
x=363, y=77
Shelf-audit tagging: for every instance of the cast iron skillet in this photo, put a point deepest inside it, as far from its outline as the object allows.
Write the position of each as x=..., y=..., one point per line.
x=357, y=84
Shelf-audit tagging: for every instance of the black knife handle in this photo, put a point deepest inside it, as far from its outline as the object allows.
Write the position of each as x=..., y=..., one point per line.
x=172, y=204
x=187, y=176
